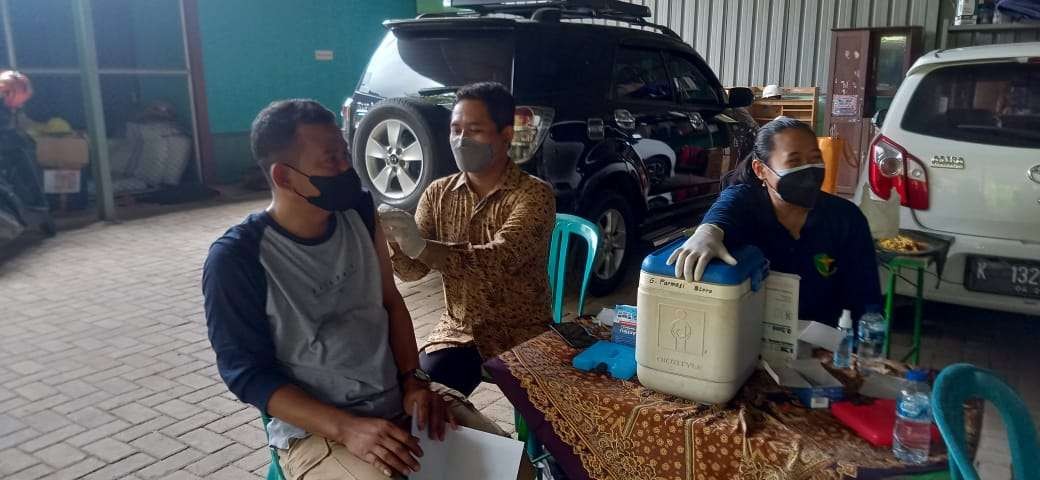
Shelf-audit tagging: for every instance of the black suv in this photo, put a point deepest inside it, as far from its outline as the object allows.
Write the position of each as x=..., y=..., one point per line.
x=626, y=122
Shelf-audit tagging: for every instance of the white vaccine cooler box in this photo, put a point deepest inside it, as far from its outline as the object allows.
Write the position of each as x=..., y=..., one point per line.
x=700, y=340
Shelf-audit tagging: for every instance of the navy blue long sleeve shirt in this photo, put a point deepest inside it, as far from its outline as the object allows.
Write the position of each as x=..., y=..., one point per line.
x=834, y=255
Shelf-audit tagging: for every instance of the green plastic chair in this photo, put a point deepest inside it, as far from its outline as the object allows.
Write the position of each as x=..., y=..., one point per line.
x=961, y=382
x=566, y=226
x=274, y=472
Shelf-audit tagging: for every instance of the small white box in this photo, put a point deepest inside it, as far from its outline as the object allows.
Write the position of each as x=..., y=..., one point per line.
x=61, y=181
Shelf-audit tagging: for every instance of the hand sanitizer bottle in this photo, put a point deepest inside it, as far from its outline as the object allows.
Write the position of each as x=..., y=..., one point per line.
x=843, y=357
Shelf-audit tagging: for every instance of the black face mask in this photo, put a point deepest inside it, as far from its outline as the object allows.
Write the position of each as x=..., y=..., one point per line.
x=336, y=193
x=800, y=185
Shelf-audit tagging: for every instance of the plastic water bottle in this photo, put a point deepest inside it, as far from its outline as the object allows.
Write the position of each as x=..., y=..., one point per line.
x=912, y=435
x=870, y=342
x=843, y=357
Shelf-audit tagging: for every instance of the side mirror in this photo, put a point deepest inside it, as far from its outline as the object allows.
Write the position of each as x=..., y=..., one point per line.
x=879, y=118
x=740, y=97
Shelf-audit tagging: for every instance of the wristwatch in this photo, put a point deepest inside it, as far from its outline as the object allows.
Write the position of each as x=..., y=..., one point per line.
x=416, y=373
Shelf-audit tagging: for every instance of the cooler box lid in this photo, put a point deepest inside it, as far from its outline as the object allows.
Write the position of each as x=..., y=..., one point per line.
x=751, y=264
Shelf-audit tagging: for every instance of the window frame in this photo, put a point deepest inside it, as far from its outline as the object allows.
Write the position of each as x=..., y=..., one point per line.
x=672, y=98
x=719, y=101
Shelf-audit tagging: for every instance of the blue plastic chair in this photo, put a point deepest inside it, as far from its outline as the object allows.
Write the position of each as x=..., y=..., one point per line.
x=961, y=382
x=274, y=471
x=566, y=226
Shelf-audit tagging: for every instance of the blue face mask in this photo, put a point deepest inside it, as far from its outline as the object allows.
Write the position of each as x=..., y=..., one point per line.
x=800, y=185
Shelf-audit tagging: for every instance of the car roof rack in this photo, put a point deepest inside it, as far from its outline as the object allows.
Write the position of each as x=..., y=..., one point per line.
x=519, y=7
x=616, y=10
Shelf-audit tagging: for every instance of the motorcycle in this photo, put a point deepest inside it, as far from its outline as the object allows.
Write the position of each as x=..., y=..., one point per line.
x=22, y=201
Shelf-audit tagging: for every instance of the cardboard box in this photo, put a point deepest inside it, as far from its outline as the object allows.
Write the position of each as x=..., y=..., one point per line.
x=806, y=378
x=62, y=152
x=624, y=330
x=780, y=327
x=61, y=181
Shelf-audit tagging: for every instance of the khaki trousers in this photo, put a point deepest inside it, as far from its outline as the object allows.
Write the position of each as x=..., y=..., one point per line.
x=317, y=458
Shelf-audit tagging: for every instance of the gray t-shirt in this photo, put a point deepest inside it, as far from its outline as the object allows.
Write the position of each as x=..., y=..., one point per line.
x=325, y=319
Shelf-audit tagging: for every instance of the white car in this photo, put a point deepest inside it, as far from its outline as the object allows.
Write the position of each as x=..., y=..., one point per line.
x=961, y=144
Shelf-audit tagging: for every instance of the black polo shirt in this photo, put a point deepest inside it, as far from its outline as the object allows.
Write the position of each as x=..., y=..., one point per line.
x=834, y=257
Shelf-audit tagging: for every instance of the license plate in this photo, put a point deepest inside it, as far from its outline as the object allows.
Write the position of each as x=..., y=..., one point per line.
x=1019, y=278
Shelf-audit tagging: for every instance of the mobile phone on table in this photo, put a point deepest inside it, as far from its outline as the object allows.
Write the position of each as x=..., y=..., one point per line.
x=575, y=335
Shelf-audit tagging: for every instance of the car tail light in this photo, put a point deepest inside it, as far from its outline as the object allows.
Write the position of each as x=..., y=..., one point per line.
x=344, y=111
x=352, y=112
x=891, y=166
x=530, y=127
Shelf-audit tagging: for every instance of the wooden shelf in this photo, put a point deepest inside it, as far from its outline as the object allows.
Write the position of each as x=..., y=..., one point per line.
x=796, y=102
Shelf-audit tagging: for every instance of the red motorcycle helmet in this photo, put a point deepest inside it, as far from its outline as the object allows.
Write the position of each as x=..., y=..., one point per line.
x=15, y=88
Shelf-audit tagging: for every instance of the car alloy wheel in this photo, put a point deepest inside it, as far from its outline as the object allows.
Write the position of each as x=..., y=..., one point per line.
x=612, y=245
x=394, y=159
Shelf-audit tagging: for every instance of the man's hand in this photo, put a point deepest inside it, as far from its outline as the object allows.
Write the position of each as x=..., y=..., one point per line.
x=400, y=227
x=431, y=411
x=381, y=443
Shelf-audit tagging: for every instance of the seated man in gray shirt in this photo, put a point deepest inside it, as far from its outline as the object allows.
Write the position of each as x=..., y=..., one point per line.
x=305, y=318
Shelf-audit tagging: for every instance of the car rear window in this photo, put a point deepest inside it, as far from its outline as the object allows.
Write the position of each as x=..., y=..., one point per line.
x=427, y=63
x=994, y=104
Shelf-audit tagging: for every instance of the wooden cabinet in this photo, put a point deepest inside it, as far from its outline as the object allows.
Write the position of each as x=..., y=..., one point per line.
x=867, y=66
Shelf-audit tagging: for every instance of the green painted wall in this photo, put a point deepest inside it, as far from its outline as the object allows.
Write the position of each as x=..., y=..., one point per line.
x=257, y=51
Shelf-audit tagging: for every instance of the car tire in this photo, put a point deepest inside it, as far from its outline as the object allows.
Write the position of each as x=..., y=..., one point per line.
x=400, y=147
x=618, y=230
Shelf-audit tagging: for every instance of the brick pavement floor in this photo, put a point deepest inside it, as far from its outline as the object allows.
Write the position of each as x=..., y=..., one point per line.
x=106, y=372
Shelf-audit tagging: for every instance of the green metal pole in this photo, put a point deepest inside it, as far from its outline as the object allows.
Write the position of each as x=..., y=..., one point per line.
x=83, y=22
x=915, y=358
x=893, y=270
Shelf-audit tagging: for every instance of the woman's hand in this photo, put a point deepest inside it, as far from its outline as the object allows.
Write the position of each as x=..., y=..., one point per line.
x=701, y=248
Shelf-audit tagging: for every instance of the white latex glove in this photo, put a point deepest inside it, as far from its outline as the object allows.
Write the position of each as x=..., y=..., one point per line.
x=400, y=227
x=701, y=248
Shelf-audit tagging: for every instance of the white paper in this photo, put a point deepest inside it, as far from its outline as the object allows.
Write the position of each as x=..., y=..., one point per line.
x=467, y=454
x=822, y=336
x=812, y=370
x=785, y=376
x=780, y=324
x=801, y=373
